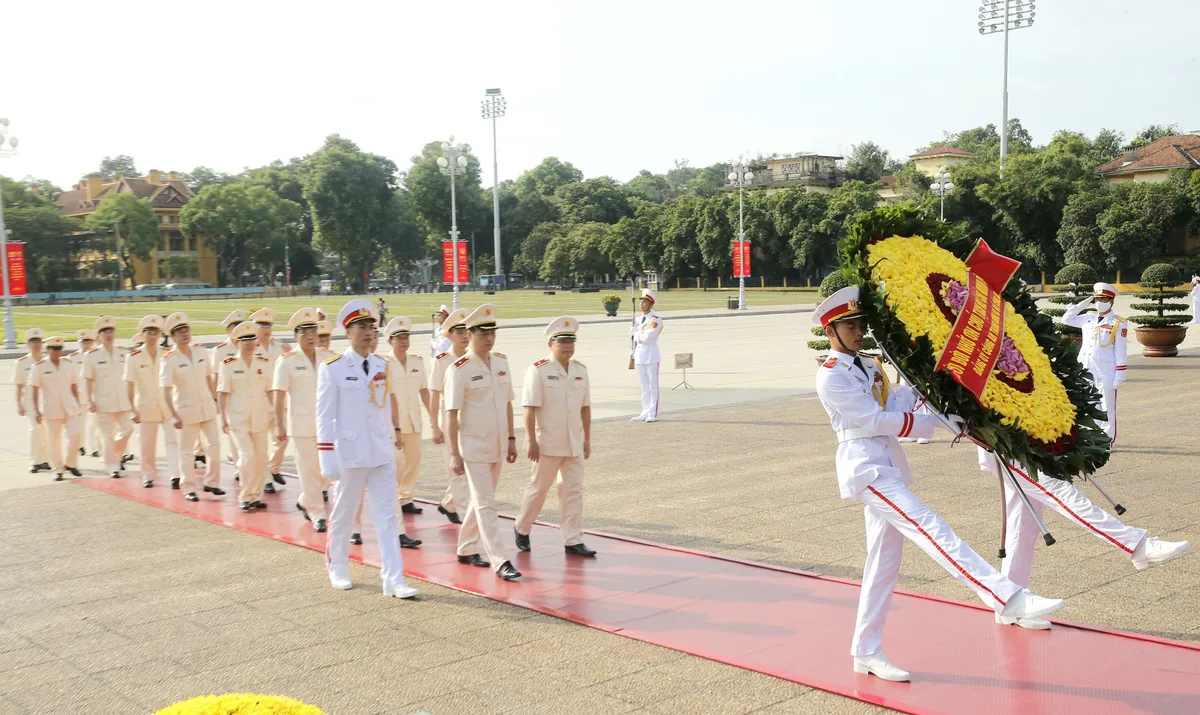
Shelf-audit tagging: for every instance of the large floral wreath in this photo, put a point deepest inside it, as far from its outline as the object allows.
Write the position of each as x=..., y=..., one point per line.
x=1038, y=408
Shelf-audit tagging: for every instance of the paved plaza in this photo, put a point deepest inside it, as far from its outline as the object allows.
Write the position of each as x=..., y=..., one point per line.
x=116, y=607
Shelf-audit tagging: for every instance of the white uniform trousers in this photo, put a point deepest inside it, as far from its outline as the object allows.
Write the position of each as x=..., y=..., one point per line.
x=38, y=453
x=570, y=496
x=251, y=464
x=62, y=457
x=648, y=375
x=481, y=523
x=187, y=459
x=115, y=430
x=458, y=494
x=148, y=457
x=1064, y=498
x=347, y=493
x=1103, y=378
x=92, y=439
x=1196, y=310
x=894, y=514
x=275, y=463
x=233, y=450
x=408, y=466
x=311, y=481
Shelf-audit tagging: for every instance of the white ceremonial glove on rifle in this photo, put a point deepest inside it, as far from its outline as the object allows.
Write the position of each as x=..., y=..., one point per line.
x=329, y=464
x=954, y=424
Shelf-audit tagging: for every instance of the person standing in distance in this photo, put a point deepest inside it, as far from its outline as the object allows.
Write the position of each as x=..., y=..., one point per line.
x=645, y=331
x=1105, y=344
x=38, y=454
x=56, y=403
x=150, y=413
x=294, y=387
x=558, y=429
x=243, y=383
x=188, y=390
x=1195, y=296
x=453, y=329
x=479, y=427
x=103, y=378
x=356, y=437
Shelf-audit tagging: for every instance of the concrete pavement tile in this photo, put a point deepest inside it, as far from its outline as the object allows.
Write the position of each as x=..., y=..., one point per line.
x=155, y=695
x=515, y=696
x=581, y=701
x=654, y=685
x=732, y=695
x=77, y=697
x=386, y=679
x=23, y=657
x=818, y=702
x=433, y=653
x=10, y=640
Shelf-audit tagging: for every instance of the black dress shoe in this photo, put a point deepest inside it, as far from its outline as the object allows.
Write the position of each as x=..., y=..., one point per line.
x=75, y=471
x=126, y=458
x=579, y=550
x=175, y=482
x=44, y=466
x=356, y=539
x=269, y=488
x=473, y=560
x=95, y=453
x=147, y=483
x=508, y=572
x=191, y=496
x=82, y=452
x=260, y=505
x=325, y=494
x=407, y=543
x=34, y=469
x=215, y=490
x=58, y=477
x=320, y=527
x=115, y=475
x=278, y=479
x=245, y=506
x=411, y=508
x=303, y=511
x=201, y=459
x=522, y=541
x=451, y=515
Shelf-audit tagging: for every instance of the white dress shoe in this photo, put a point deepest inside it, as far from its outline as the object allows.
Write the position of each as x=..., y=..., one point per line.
x=400, y=590
x=1033, y=624
x=1153, y=551
x=923, y=441
x=879, y=666
x=652, y=419
x=342, y=583
x=639, y=418
x=907, y=439
x=1025, y=605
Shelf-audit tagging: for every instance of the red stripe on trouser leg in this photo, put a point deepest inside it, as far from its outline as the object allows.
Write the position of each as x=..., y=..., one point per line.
x=908, y=424
x=1068, y=509
x=941, y=551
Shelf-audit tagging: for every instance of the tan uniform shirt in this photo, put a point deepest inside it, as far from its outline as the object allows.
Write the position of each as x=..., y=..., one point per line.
x=296, y=376
x=437, y=381
x=142, y=370
x=55, y=384
x=106, y=370
x=481, y=396
x=560, y=396
x=193, y=400
x=219, y=352
x=248, y=409
x=407, y=381
x=272, y=352
x=21, y=377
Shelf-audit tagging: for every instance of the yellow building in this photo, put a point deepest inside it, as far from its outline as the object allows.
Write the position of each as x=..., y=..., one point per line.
x=931, y=161
x=167, y=195
x=1152, y=162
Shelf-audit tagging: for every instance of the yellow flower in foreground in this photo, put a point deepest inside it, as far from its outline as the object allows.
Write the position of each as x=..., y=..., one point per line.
x=901, y=265
x=240, y=704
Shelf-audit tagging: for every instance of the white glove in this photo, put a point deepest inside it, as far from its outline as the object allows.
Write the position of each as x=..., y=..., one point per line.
x=957, y=425
x=329, y=464
x=1119, y=380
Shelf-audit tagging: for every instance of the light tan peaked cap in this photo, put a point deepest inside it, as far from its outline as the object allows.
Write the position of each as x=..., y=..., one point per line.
x=138, y=338
x=400, y=325
x=154, y=322
x=456, y=318
x=303, y=318
x=356, y=310
x=237, y=316
x=175, y=321
x=562, y=328
x=34, y=334
x=53, y=343
x=104, y=322
x=85, y=334
x=483, y=318
x=263, y=316
x=244, y=331
x=324, y=327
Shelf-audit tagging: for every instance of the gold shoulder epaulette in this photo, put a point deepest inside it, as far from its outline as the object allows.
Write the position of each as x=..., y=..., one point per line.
x=23, y=357
x=135, y=351
x=260, y=357
x=418, y=356
x=332, y=359
x=39, y=362
x=499, y=355
x=1121, y=319
x=168, y=352
x=578, y=363
x=91, y=350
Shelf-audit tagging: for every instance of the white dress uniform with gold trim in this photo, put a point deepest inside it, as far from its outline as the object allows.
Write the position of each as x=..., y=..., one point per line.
x=645, y=331
x=58, y=405
x=272, y=351
x=103, y=373
x=1195, y=296
x=246, y=413
x=38, y=453
x=1104, y=348
x=296, y=378
x=141, y=370
x=186, y=371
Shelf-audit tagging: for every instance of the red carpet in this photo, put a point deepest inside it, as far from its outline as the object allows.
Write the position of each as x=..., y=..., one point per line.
x=788, y=624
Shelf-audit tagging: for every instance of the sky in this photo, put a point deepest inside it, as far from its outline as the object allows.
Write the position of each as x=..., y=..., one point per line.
x=612, y=87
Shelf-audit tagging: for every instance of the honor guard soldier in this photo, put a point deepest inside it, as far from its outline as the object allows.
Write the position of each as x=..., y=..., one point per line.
x=454, y=329
x=1195, y=296
x=185, y=379
x=1103, y=352
x=406, y=374
x=108, y=397
x=150, y=412
x=355, y=441
x=217, y=354
x=53, y=380
x=272, y=350
x=91, y=440
x=38, y=454
x=868, y=415
x=647, y=326
x=558, y=426
x=295, y=390
x=243, y=383
x=438, y=342
x=479, y=428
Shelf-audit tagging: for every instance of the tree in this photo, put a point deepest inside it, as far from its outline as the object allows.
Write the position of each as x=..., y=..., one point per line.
x=202, y=176
x=599, y=200
x=1079, y=235
x=678, y=230
x=546, y=178
x=709, y=181
x=869, y=161
x=648, y=186
x=847, y=204
x=114, y=167
x=179, y=267
x=800, y=217
x=633, y=244
x=245, y=225
x=533, y=250
x=984, y=141
x=1139, y=223
x=137, y=224
x=1108, y=145
x=578, y=253
x=287, y=182
x=1153, y=133
x=52, y=241
x=429, y=192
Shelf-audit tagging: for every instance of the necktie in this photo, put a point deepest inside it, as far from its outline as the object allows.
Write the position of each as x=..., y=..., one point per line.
x=858, y=364
x=366, y=368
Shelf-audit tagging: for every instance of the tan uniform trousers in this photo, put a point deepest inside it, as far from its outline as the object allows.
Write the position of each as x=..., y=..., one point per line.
x=312, y=484
x=252, y=463
x=408, y=467
x=61, y=458
x=148, y=456
x=92, y=439
x=570, y=496
x=275, y=464
x=115, y=429
x=38, y=453
x=457, y=491
x=482, y=523
x=187, y=461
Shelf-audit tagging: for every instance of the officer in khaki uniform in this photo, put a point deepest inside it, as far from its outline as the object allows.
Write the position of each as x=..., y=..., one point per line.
x=242, y=384
x=38, y=455
x=91, y=440
x=294, y=386
x=479, y=427
x=406, y=375
x=185, y=379
x=558, y=427
x=272, y=350
x=217, y=355
x=150, y=413
x=324, y=335
x=56, y=403
x=454, y=330
x=103, y=377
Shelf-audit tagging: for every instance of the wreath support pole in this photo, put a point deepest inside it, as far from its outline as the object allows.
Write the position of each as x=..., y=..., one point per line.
x=1116, y=507
x=1003, y=521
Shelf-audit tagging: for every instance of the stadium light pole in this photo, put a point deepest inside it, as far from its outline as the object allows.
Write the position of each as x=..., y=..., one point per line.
x=739, y=176
x=494, y=105
x=451, y=162
x=1005, y=16
x=8, y=147
x=940, y=187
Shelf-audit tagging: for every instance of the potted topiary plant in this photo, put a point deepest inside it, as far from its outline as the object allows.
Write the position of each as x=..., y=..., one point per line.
x=1160, y=334
x=611, y=302
x=1075, y=282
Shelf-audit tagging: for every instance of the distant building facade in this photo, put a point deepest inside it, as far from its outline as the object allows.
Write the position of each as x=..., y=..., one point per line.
x=816, y=172
x=1152, y=162
x=931, y=161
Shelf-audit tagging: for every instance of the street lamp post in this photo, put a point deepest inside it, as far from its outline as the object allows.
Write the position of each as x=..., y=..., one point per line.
x=940, y=187
x=451, y=162
x=494, y=106
x=8, y=147
x=739, y=176
x=1003, y=16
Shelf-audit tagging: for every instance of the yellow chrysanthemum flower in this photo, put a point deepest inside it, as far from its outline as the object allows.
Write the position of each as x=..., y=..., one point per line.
x=240, y=704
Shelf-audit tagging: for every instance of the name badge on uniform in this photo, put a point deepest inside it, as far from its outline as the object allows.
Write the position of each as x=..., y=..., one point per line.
x=476, y=377
x=552, y=377
x=102, y=362
x=300, y=368
x=238, y=372
x=183, y=364
x=352, y=377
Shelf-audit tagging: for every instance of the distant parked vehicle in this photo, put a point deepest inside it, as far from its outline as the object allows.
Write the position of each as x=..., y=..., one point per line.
x=174, y=286
x=150, y=287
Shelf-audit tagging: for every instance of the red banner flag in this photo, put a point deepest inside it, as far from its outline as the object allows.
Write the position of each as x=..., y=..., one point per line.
x=974, y=345
x=994, y=269
x=448, y=263
x=741, y=259
x=16, y=269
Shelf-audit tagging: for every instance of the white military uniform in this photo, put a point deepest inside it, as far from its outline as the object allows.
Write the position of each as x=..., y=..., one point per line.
x=355, y=446
x=1103, y=353
x=272, y=353
x=188, y=375
x=247, y=412
x=142, y=370
x=559, y=394
x=38, y=452
x=645, y=331
x=110, y=397
x=296, y=375
x=59, y=408
x=1195, y=296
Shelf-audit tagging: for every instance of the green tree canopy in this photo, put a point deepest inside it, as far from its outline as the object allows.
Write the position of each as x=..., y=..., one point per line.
x=429, y=193
x=52, y=241
x=546, y=178
x=135, y=222
x=868, y=161
x=245, y=225
x=114, y=167
x=598, y=200
x=202, y=176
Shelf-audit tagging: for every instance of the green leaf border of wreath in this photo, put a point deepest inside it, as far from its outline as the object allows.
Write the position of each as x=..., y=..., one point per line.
x=916, y=357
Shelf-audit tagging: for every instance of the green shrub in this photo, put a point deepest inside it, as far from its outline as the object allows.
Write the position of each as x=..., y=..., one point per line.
x=1159, y=321
x=832, y=284
x=1160, y=276
x=1080, y=273
x=823, y=344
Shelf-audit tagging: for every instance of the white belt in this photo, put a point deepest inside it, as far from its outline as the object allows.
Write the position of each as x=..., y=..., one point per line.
x=845, y=435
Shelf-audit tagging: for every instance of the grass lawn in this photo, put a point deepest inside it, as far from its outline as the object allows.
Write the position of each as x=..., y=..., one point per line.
x=207, y=314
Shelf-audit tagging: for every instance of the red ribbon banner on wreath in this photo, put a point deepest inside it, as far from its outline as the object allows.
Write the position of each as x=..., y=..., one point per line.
x=971, y=352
